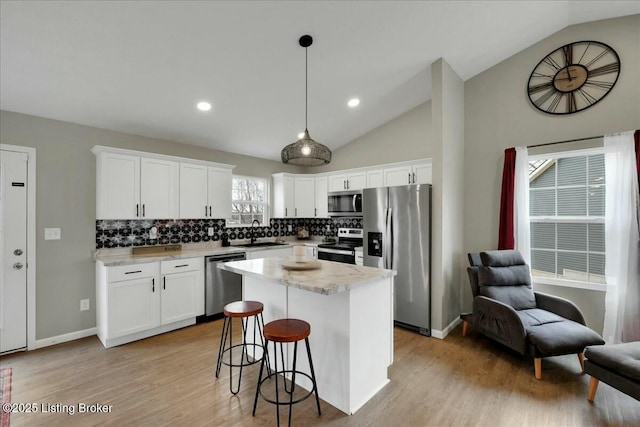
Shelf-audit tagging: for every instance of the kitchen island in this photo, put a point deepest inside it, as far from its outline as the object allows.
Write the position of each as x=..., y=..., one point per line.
x=350, y=311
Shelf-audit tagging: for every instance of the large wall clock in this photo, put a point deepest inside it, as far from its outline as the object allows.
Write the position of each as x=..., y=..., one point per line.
x=574, y=77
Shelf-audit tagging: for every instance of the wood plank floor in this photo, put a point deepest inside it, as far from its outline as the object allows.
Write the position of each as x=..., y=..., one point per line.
x=169, y=380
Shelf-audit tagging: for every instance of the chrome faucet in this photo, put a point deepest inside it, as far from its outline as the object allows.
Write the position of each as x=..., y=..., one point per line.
x=253, y=231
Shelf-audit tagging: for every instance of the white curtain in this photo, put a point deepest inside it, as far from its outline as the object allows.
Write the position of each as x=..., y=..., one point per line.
x=521, y=204
x=622, y=300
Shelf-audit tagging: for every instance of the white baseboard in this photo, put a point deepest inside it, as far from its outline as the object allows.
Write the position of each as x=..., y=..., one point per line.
x=45, y=342
x=442, y=334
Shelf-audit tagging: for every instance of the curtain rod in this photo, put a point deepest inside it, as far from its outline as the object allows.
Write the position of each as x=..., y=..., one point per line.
x=564, y=142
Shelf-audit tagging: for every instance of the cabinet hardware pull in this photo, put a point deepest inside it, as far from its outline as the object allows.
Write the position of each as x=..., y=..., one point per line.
x=285, y=211
x=210, y=210
x=133, y=272
x=205, y=210
x=348, y=184
x=414, y=177
x=164, y=283
x=344, y=184
x=153, y=285
x=296, y=211
x=181, y=265
x=315, y=211
x=409, y=178
x=143, y=213
x=137, y=210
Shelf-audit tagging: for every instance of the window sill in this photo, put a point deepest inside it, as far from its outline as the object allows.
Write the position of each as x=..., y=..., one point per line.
x=569, y=284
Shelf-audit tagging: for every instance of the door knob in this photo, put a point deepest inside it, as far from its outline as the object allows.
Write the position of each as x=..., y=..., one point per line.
x=18, y=266
x=17, y=252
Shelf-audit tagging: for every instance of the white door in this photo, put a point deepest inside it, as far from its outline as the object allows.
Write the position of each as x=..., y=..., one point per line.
x=322, y=209
x=289, y=197
x=338, y=182
x=133, y=306
x=13, y=251
x=118, y=186
x=375, y=178
x=422, y=173
x=357, y=181
x=400, y=175
x=179, y=297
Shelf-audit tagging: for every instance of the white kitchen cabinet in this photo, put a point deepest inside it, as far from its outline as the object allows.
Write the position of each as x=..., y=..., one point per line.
x=311, y=251
x=304, y=197
x=140, y=300
x=128, y=300
x=133, y=187
x=322, y=207
x=375, y=178
x=182, y=289
x=295, y=196
x=348, y=181
x=205, y=191
x=419, y=173
x=269, y=253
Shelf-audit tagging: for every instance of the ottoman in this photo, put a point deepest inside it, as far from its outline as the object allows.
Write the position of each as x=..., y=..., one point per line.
x=617, y=365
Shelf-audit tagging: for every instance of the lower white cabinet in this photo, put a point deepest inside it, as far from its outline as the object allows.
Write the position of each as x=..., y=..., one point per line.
x=140, y=300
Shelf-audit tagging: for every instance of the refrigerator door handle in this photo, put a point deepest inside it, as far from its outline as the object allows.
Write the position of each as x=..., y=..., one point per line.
x=387, y=243
x=390, y=239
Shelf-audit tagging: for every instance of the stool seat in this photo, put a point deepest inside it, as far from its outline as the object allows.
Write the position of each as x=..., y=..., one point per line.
x=286, y=330
x=243, y=308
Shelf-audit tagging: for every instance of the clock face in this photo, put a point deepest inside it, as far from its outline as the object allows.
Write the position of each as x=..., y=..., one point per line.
x=574, y=77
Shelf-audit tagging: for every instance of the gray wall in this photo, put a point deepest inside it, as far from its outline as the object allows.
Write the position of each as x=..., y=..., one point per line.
x=499, y=115
x=407, y=137
x=65, y=198
x=448, y=201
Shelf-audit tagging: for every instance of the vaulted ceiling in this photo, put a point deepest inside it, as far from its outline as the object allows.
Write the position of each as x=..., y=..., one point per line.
x=141, y=67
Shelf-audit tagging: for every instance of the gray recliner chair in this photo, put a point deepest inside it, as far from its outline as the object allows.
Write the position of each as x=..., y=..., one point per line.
x=507, y=310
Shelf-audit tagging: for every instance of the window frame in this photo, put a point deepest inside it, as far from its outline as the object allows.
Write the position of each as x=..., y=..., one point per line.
x=266, y=205
x=555, y=219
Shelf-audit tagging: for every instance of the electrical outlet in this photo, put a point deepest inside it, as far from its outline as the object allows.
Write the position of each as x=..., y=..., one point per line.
x=289, y=228
x=84, y=305
x=210, y=231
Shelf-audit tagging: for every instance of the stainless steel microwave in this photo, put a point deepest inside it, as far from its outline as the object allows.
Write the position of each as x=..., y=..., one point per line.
x=345, y=203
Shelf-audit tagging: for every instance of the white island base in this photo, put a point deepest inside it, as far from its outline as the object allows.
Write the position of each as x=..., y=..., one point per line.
x=351, y=327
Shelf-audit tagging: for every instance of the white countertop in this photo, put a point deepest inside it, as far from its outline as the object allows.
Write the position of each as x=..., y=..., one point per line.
x=331, y=278
x=123, y=256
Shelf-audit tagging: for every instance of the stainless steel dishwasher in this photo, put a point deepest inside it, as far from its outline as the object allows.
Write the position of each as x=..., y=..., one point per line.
x=221, y=287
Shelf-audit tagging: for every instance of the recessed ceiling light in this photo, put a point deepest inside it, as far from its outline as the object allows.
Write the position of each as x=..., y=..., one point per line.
x=203, y=106
x=300, y=135
x=354, y=102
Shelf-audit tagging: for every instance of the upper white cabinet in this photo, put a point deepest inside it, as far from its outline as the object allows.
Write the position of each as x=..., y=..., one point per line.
x=205, y=191
x=348, y=181
x=375, y=178
x=419, y=173
x=138, y=185
x=133, y=187
x=322, y=201
x=299, y=196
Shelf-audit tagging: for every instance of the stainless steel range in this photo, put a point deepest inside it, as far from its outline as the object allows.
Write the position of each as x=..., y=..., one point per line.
x=344, y=250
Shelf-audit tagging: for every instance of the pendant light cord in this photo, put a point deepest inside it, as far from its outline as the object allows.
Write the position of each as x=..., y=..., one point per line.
x=306, y=88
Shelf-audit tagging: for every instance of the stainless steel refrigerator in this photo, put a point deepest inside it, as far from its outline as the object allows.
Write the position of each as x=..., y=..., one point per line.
x=397, y=235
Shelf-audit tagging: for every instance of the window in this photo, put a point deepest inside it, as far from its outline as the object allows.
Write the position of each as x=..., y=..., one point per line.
x=249, y=200
x=566, y=208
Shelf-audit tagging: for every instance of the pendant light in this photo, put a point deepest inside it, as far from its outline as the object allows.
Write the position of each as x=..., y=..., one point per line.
x=306, y=151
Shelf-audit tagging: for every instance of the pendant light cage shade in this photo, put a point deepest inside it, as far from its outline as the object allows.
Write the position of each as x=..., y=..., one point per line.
x=306, y=151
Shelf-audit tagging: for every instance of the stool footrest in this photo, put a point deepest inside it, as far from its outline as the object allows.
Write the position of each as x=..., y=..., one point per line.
x=287, y=402
x=242, y=362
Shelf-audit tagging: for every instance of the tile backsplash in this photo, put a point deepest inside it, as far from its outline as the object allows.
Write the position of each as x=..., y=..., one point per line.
x=127, y=233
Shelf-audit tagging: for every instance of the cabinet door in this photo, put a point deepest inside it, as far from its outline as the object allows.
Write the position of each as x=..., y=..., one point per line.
x=311, y=252
x=338, y=182
x=133, y=306
x=158, y=188
x=179, y=296
x=219, y=193
x=305, y=197
x=422, y=173
x=400, y=175
x=193, y=191
x=356, y=181
x=289, y=197
x=118, y=186
x=322, y=209
x=375, y=178
x=288, y=251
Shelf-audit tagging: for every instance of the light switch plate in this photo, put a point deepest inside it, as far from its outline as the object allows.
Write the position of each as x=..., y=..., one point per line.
x=52, y=234
x=210, y=231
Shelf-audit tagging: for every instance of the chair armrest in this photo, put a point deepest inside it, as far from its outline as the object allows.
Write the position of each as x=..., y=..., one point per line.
x=560, y=306
x=500, y=322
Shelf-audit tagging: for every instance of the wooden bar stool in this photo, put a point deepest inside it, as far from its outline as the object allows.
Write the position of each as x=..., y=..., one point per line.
x=285, y=331
x=243, y=310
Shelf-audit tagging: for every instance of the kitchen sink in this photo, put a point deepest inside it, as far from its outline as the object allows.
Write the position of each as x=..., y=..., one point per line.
x=259, y=244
